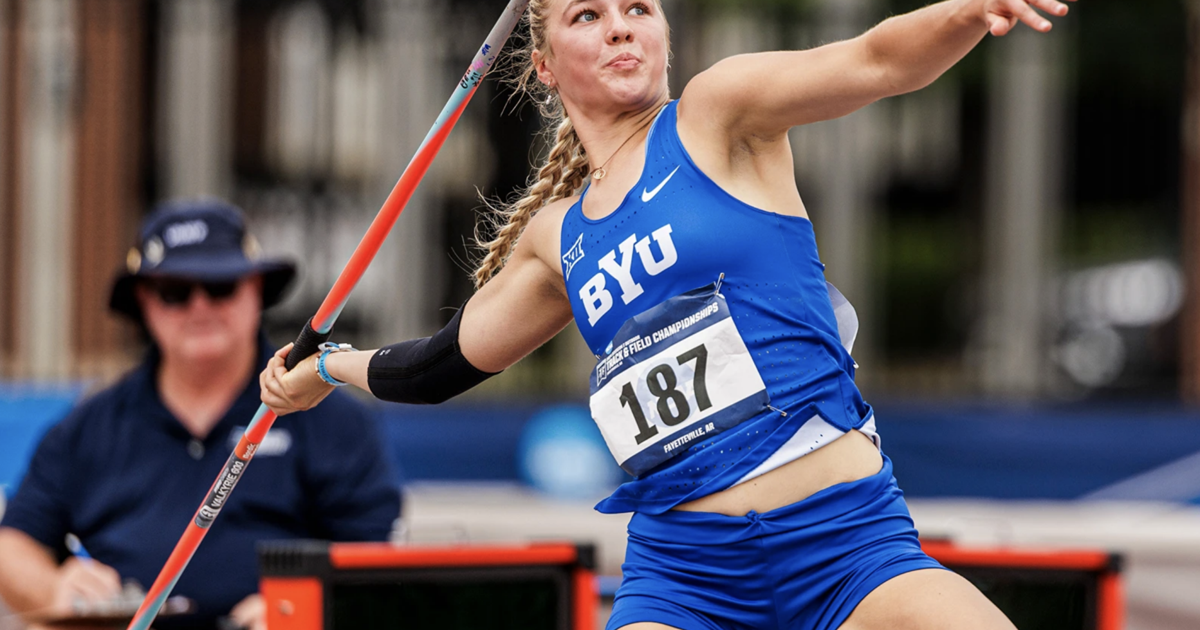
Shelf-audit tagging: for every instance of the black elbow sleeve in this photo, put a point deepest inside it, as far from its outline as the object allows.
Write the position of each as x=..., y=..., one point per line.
x=424, y=371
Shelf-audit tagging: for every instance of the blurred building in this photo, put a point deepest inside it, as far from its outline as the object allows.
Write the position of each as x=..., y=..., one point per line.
x=1018, y=229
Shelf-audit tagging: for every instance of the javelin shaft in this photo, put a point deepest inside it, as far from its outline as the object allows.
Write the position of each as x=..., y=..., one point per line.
x=402, y=192
x=330, y=308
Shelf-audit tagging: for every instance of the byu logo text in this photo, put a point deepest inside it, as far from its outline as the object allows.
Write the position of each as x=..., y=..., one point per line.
x=597, y=300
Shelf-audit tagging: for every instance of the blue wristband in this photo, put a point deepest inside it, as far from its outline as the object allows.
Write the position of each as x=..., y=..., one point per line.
x=328, y=348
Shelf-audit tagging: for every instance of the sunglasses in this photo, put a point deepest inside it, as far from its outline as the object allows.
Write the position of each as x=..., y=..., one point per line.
x=178, y=292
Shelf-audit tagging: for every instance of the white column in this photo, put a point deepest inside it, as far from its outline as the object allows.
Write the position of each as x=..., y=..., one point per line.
x=844, y=156
x=416, y=84
x=299, y=136
x=733, y=33
x=46, y=174
x=1023, y=193
x=195, y=92
x=1189, y=336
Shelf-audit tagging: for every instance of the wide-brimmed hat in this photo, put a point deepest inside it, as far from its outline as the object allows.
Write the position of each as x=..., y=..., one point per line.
x=202, y=240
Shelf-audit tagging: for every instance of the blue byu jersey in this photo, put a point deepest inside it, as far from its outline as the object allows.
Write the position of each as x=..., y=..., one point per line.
x=677, y=231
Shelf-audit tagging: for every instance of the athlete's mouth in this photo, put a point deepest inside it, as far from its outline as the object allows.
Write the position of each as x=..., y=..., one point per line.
x=623, y=61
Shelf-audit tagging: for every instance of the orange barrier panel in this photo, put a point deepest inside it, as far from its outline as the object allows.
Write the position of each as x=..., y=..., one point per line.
x=1095, y=574
x=294, y=603
x=368, y=584
x=384, y=555
x=585, y=591
x=1111, y=615
x=1026, y=558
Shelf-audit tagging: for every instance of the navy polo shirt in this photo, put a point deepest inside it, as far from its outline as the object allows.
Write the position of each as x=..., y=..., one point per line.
x=122, y=474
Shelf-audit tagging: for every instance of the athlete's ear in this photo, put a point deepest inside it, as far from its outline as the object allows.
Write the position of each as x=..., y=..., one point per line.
x=544, y=74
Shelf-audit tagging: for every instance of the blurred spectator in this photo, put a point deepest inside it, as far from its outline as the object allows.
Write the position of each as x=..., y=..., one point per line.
x=125, y=472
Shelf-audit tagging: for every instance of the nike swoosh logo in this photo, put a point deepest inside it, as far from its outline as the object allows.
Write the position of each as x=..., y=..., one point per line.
x=648, y=195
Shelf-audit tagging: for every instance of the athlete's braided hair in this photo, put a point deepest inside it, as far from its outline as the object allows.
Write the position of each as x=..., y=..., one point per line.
x=561, y=176
x=566, y=166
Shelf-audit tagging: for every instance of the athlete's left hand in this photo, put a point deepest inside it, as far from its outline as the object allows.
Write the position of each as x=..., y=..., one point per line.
x=298, y=390
x=1002, y=15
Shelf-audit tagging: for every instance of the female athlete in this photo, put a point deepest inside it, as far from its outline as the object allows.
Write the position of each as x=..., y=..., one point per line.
x=673, y=234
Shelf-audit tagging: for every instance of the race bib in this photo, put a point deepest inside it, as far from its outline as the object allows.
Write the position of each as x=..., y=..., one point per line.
x=676, y=373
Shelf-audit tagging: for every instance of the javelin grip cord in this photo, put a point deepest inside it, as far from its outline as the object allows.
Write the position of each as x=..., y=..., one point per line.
x=306, y=344
x=331, y=307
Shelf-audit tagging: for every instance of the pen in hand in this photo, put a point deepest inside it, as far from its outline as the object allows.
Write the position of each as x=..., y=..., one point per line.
x=93, y=587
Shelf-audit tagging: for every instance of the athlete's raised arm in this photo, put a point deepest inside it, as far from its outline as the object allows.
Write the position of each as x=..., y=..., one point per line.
x=522, y=307
x=762, y=95
x=525, y=304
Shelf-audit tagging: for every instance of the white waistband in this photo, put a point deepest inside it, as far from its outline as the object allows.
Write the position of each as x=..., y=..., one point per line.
x=812, y=435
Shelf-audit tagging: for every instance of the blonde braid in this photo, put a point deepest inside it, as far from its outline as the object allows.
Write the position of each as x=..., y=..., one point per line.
x=560, y=177
x=566, y=168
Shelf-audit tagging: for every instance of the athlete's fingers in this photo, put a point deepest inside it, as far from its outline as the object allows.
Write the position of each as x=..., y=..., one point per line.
x=278, y=373
x=276, y=395
x=284, y=351
x=276, y=363
x=276, y=407
x=1053, y=7
x=1027, y=14
x=285, y=391
x=1000, y=26
x=268, y=397
x=262, y=378
x=279, y=407
x=271, y=386
x=265, y=394
x=277, y=366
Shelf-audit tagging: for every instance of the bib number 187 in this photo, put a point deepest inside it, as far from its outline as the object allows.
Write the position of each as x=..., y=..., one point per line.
x=662, y=382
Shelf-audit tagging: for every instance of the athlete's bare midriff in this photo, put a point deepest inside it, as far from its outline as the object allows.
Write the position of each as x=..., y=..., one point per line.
x=849, y=458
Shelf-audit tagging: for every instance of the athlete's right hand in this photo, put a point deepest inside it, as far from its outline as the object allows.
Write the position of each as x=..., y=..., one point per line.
x=1002, y=15
x=83, y=581
x=298, y=390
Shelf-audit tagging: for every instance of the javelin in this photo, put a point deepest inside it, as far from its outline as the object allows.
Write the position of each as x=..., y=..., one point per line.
x=318, y=328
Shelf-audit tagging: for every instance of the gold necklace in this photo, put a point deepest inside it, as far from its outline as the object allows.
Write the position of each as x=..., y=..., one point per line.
x=599, y=173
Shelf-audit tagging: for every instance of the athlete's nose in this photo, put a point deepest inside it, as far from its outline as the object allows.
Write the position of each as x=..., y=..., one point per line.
x=620, y=31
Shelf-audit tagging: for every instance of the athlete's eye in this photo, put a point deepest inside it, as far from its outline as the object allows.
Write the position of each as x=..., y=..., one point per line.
x=586, y=15
x=640, y=9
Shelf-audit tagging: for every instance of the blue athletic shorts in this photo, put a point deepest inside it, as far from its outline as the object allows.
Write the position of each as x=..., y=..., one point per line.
x=803, y=566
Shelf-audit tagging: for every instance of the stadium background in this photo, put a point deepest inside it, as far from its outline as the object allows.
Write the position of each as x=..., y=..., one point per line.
x=1018, y=239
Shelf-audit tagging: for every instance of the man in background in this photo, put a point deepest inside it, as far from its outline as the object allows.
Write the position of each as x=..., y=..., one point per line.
x=126, y=470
